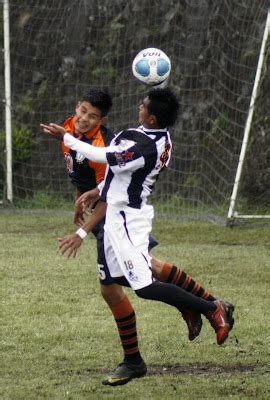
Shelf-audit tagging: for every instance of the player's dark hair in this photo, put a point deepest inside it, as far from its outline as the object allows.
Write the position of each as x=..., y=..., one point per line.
x=99, y=98
x=163, y=104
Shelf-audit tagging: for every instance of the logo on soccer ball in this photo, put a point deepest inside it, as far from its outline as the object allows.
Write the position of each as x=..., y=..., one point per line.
x=151, y=66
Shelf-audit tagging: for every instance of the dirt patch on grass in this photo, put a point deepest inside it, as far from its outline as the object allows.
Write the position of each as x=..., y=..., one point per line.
x=209, y=369
x=194, y=369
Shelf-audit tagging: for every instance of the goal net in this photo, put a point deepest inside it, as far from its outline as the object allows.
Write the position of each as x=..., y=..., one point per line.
x=61, y=48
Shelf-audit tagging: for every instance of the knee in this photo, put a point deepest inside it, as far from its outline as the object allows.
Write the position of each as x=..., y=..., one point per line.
x=156, y=267
x=141, y=293
x=112, y=294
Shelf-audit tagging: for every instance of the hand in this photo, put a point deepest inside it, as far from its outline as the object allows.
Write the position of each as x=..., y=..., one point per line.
x=78, y=216
x=71, y=243
x=54, y=130
x=87, y=199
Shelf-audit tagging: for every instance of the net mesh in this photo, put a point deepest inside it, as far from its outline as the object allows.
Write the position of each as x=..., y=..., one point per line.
x=60, y=49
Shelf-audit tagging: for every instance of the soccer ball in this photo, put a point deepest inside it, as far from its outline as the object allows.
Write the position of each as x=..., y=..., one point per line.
x=151, y=66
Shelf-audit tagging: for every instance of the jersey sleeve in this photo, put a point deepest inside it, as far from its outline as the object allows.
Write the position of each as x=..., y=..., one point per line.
x=93, y=153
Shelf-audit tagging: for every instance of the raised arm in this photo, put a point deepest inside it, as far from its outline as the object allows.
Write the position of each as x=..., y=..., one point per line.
x=93, y=153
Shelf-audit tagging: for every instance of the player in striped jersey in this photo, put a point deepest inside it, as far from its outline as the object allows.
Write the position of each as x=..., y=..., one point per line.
x=136, y=157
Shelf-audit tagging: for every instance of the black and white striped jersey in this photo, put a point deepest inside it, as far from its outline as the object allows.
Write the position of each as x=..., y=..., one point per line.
x=135, y=162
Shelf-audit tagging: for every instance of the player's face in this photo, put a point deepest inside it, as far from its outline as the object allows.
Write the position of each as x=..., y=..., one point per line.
x=145, y=118
x=87, y=117
x=143, y=111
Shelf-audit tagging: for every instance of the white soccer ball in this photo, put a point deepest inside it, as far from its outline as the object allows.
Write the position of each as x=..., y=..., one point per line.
x=151, y=66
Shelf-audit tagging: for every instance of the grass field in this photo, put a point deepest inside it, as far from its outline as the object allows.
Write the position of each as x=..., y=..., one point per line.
x=58, y=338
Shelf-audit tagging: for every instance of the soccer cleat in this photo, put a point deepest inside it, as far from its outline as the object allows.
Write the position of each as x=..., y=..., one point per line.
x=194, y=323
x=229, y=310
x=219, y=320
x=124, y=372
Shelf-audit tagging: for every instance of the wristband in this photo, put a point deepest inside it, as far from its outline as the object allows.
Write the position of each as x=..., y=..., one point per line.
x=82, y=233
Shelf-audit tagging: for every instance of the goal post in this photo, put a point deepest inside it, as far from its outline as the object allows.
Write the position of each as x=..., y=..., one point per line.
x=232, y=213
x=7, y=101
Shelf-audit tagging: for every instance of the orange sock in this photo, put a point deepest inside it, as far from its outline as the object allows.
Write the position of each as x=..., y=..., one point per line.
x=176, y=276
x=125, y=319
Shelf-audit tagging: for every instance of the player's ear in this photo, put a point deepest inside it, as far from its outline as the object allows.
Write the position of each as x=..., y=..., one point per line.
x=153, y=121
x=77, y=106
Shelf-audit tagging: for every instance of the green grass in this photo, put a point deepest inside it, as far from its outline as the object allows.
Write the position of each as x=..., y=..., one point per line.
x=44, y=201
x=58, y=338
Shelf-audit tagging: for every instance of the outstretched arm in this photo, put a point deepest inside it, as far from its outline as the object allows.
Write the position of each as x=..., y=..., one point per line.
x=93, y=153
x=71, y=243
x=54, y=130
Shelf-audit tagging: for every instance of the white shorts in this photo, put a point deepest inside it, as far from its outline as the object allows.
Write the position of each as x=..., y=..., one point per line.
x=126, y=241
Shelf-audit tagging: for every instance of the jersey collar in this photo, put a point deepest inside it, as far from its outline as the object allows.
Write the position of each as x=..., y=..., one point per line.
x=152, y=130
x=88, y=135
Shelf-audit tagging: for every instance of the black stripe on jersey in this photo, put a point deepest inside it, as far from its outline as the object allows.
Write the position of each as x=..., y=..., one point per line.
x=149, y=152
x=105, y=189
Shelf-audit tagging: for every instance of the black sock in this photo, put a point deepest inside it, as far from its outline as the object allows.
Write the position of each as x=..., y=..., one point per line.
x=175, y=296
